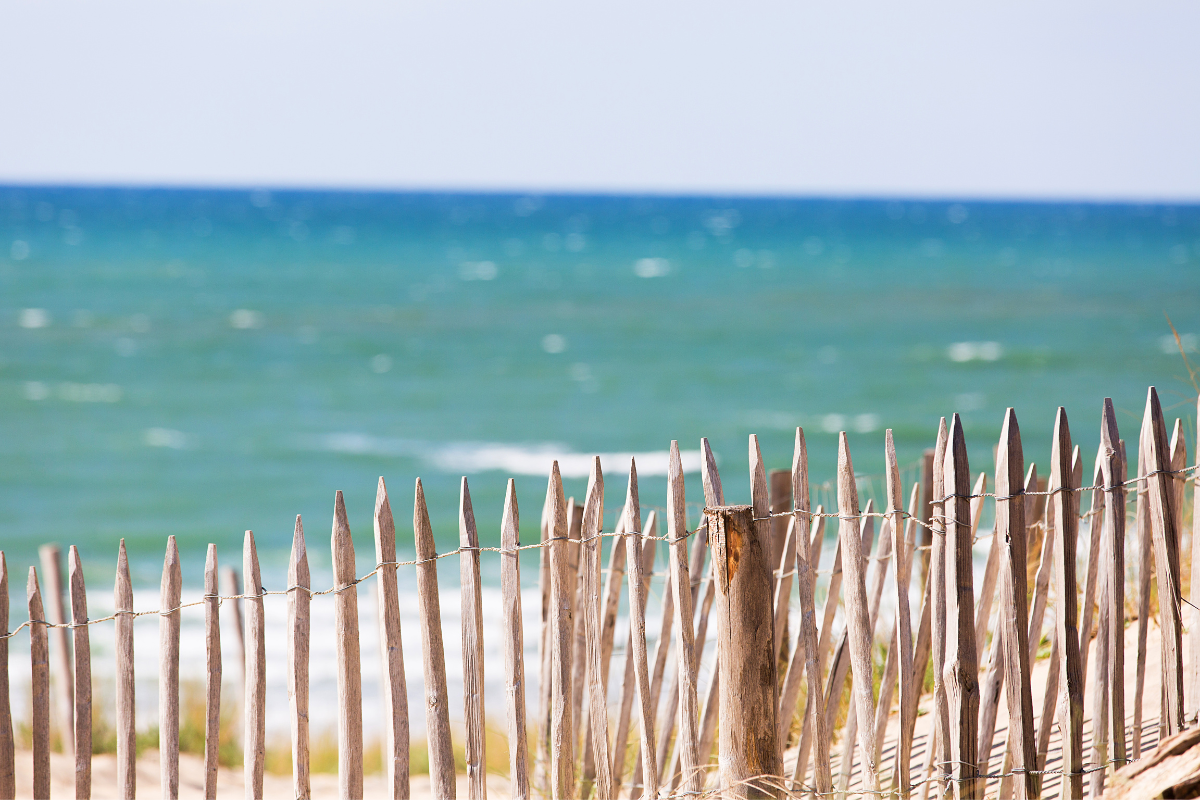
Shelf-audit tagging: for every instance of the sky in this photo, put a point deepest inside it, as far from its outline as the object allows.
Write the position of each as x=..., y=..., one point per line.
x=1069, y=100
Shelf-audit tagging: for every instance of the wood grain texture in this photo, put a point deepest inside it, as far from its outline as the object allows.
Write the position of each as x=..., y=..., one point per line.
x=254, y=743
x=1114, y=475
x=702, y=615
x=961, y=674
x=1145, y=575
x=1164, y=525
x=658, y=663
x=1100, y=688
x=61, y=681
x=471, y=594
x=82, y=649
x=805, y=653
x=212, y=675
x=541, y=765
x=298, y=644
x=395, y=686
x=629, y=686
x=614, y=576
x=125, y=701
x=579, y=640
x=858, y=619
x=1013, y=628
x=937, y=571
x=1065, y=501
x=839, y=666
x=514, y=645
x=876, y=569
x=8, y=766
x=170, y=595
x=562, y=590
x=636, y=656
x=783, y=542
x=349, y=656
x=437, y=706
x=39, y=662
x=809, y=743
x=590, y=539
x=689, y=715
x=748, y=733
x=905, y=540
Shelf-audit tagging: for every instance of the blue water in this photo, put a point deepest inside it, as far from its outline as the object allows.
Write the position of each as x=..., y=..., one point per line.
x=199, y=363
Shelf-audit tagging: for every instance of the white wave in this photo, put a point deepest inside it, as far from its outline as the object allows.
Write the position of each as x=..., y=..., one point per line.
x=514, y=459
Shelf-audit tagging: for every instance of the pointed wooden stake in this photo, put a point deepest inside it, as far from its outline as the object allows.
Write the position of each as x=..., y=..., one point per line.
x=472, y=645
x=1145, y=575
x=593, y=520
x=8, y=766
x=1113, y=473
x=658, y=664
x=349, y=657
x=126, y=707
x=938, y=592
x=514, y=644
x=1163, y=522
x=254, y=746
x=1013, y=625
x=637, y=624
x=1065, y=500
x=82, y=647
x=437, y=708
x=962, y=664
x=693, y=778
x=168, y=672
x=395, y=688
x=39, y=660
x=298, y=644
x=541, y=766
x=562, y=591
x=212, y=676
x=903, y=541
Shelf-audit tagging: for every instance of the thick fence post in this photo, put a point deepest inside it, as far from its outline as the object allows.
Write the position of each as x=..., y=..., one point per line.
x=749, y=746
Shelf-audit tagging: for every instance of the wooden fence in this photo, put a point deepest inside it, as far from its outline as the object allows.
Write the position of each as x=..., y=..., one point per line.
x=765, y=561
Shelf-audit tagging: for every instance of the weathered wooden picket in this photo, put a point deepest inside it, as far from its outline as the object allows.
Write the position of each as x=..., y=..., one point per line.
x=583, y=747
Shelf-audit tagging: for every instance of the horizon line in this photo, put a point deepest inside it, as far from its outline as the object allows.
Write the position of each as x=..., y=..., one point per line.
x=609, y=192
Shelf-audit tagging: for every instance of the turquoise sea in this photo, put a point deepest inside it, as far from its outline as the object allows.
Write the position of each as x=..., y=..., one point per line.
x=199, y=363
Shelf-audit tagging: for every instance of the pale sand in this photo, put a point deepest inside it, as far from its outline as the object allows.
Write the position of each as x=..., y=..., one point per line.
x=191, y=780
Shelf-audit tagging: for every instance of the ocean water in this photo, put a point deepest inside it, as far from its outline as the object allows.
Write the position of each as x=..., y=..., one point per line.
x=200, y=363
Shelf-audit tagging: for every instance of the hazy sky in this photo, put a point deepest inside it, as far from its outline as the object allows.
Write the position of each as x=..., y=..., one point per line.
x=1064, y=99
